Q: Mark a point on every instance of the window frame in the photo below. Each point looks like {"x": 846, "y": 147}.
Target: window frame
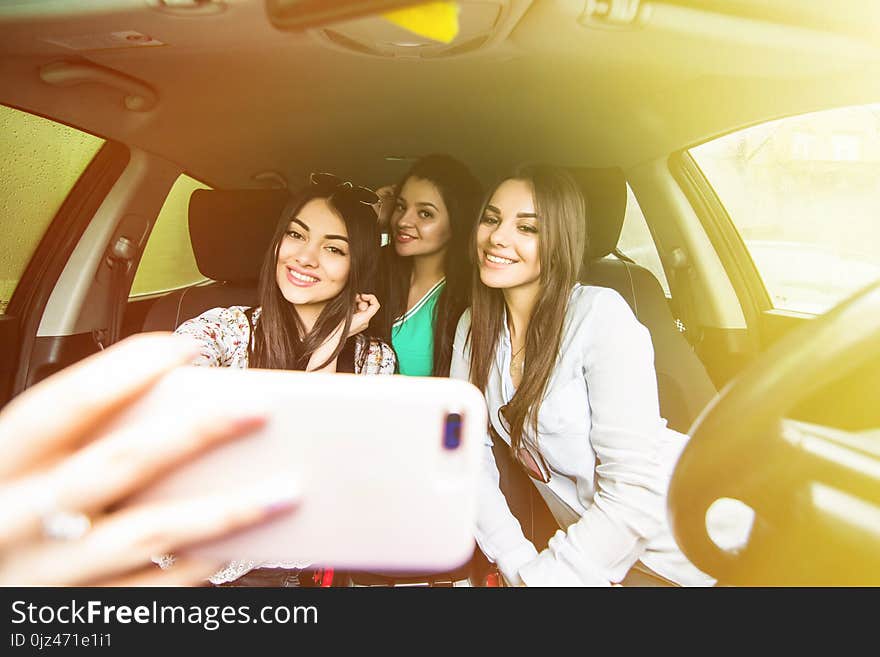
{"x": 743, "y": 274}
{"x": 70, "y": 221}
{"x": 776, "y": 319}
{"x": 751, "y": 291}
{"x": 53, "y": 237}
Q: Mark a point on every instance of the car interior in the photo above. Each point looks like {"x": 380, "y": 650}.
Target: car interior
{"x": 201, "y": 114}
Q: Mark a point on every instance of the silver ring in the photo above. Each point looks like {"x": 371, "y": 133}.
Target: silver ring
{"x": 60, "y": 525}
{"x": 164, "y": 561}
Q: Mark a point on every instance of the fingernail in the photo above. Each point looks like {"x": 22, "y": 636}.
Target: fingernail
{"x": 248, "y": 422}
{"x": 278, "y": 496}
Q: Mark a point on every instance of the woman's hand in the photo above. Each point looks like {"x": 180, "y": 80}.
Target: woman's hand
{"x": 66, "y": 466}
{"x": 365, "y": 308}
{"x": 385, "y": 207}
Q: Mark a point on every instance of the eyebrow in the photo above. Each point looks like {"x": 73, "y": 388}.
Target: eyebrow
{"x": 520, "y": 215}
{"x": 297, "y": 221}
{"x": 326, "y": 237}
{"x": 405, "y": 202}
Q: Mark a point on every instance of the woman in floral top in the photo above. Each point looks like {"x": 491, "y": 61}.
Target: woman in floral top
{"x": 313, "y": 307}
{"x": 313, "y": 280}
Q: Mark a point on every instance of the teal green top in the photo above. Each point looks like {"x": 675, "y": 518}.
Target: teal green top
{"x": 412, "y": 336}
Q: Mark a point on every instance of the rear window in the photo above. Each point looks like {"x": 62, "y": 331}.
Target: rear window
{"x": 168, "y": 262}
{"x": 636, "y": 241}
{"x": 42, "y": 160}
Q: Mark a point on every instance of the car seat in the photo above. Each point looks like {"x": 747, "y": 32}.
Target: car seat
{"x": 683, "y": 384}
{"x": 230, "y": 231}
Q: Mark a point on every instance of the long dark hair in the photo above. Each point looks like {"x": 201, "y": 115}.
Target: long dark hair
{"x": 280, "y": 339}
{"x": 562, "y": 213}
{"x": 462, "y": 194}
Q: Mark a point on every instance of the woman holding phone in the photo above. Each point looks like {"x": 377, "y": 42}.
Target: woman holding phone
{"x": 568, "y": 375}
{"x": 314, "y": 306}
{"x": 426, "y": 270}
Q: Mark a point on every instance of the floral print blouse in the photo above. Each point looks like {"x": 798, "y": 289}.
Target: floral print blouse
{"x": 224, "y": 334}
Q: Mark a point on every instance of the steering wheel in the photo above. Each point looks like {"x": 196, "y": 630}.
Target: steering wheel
{"x": 815, "y": 490}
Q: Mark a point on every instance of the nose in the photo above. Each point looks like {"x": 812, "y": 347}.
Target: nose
{"x": 499, "y": 235}
{"x": 307, "y": 256}
{"x": 406, "y": 219}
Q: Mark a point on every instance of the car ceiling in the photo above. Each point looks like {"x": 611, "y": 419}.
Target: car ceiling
{"x": 237, "y": 97}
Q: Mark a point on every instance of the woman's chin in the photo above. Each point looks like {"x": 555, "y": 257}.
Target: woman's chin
{"x": 495, "y": 279}
{"x": 304, "y": 297}
{"x": 404, "y": 249}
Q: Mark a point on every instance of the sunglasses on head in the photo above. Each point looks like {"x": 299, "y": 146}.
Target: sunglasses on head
{"x": 335, "y": 185}
{"x": 526, "y": 455}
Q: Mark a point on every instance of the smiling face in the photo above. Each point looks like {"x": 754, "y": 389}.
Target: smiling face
{"x": 313, "y": 258}
{"x": 508, "y": 251}
{"x": 420, "y": 224}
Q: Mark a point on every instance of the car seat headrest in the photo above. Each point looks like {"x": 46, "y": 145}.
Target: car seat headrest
{"x": 605, "y": 194}
{"x": 230, "y": 230}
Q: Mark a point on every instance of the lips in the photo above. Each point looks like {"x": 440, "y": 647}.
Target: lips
{"x": 300, "y": 278}
{"x": 404, "y": 238}
{"x": 494, "y": 261}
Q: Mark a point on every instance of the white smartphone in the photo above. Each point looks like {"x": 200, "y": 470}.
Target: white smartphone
{"x": 388, "y": 465}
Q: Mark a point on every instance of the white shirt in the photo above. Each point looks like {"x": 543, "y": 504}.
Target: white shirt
{"x": 610, "y": 453}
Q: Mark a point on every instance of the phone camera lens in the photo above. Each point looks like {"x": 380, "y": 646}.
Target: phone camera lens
{"x": 452, "y": 431}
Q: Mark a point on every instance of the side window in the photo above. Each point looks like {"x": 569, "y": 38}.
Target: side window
{"x": 802, "y": 192}
{"x": 637, "y": 243}
{"x": 168, "y": 262}
{"x": 42, "y": 160}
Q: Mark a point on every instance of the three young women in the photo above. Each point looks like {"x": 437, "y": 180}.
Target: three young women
{"x": 570, "y": 386}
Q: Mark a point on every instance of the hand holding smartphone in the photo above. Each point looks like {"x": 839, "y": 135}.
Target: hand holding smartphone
{"x": 388, "y": 466}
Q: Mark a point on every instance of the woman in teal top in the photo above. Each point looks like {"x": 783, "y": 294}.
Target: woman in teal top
{"x": 413, "y": 335}
{"x": 425, "y": 284}
{"x": 425, "y": 270}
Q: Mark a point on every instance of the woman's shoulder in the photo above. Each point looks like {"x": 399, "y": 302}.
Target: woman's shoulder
{"x": 223, "y": 334}
{"x": 220, "y": 317}
{"x": 380, "y": 357}
{"x": 600, "y": 318}
{"x": 225, "y": 314}
{"x": 588, "y": 301}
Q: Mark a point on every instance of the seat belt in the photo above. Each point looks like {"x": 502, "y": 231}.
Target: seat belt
{"x": 119, "y": 259}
